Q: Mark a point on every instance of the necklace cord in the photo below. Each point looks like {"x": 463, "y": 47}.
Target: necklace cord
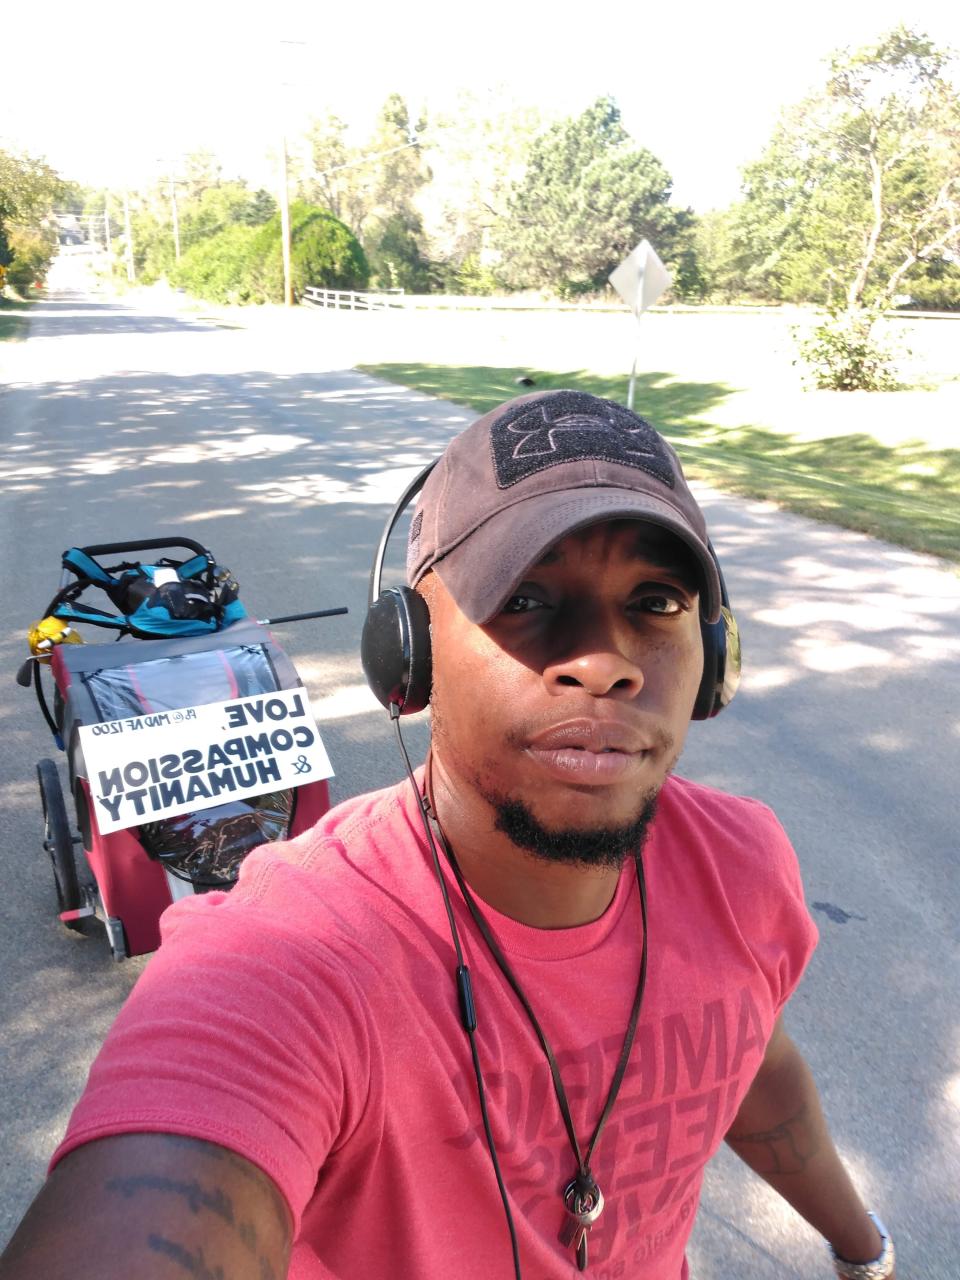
{"x": 465, "y": 996}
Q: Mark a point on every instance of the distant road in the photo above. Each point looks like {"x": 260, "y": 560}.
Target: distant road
{"x": 124, "y": 423}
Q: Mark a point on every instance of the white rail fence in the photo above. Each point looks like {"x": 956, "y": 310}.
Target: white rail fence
{"x": 348, "y": 300}
{"x": 396, "y": 299}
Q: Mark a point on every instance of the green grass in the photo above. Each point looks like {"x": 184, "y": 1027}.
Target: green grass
{"x": 908, "y": 494}
{"x": 13, "y": 327}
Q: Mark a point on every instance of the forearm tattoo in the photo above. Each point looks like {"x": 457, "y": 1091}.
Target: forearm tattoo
{"x": 787, "y": 1148}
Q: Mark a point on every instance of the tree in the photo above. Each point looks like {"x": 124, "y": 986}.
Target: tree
{"x": 724, "y": 273}
{"x": 202, "y": 218}
{"x": 324, "y": 253}
{"x": 857, "y": 194}
{"x": 398, "y": 169}
{"x": 201, "y": 170}
{"x": 392, "y": 230}
{"x": 476, "y": 155}
{"x": 260, "y": 209}
{"x": 858, "y": 191}
{"x": 396, "y": 261}
{"x": 29, "y": 191}
{"x": 588, "y": 196}
{"x": 373, "y": 189}
{"x": 31, "y": 252}
{"x": 335, "y": 176}
{"x": 219, "y": 207}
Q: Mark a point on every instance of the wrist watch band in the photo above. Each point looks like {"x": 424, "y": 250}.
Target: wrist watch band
{"x": 879, "y": 1269}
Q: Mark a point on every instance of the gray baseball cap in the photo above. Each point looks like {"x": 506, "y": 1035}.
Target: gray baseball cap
{"x": 531, "y": 471}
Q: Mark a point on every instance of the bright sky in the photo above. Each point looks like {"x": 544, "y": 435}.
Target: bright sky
{"x": 109, "y": 92}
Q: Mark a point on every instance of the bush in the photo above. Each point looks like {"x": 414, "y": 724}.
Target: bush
{"x": 32, "y": 252}
{"x": 244, "y": 263}
{"x": 323, "y": 253}
{"x": 934, "y": 286}
{"x": 202, "y": 219}
{"x": 221, "y": 268}
{"x": 473, "y": 278}
{"x": 844, "y": 354}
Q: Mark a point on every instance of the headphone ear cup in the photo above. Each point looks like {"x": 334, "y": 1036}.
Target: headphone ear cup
{"x": 714, "y": 653}
{"x": 721, "y": 665}
{"x": 395, "y": 650}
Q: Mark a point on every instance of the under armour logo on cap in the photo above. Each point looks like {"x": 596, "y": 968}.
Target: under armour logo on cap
{"x": 570, "y": 426}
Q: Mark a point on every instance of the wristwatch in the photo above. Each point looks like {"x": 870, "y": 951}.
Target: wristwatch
{"x": 879, "y": 1269}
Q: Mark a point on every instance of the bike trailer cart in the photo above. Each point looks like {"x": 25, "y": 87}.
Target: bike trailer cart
{"x": 204, "y": 654}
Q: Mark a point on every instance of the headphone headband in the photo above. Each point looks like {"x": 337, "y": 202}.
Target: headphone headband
{"x": 411, "y": 491}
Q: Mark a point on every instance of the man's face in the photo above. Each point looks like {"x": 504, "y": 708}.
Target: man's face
{"x": 573, "y": 703}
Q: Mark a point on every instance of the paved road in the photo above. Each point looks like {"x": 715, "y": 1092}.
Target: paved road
{"x": 119, "y": 423}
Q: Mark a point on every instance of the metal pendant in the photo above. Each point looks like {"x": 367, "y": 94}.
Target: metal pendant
{"x": 583, "y": 1202}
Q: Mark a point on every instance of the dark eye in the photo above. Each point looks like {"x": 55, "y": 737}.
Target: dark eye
{"x": 662, "y": 605}
{"x": 521, "y": 604}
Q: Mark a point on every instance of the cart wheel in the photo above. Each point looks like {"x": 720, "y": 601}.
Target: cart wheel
{"x": 58, "y": 841}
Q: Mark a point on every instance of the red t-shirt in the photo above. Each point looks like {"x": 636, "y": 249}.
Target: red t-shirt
{"x": 308, "y": 1021}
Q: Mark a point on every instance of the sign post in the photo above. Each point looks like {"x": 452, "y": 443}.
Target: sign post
{"x": 640, "y": 280}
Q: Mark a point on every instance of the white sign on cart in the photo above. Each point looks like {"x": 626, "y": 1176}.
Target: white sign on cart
{"x": 153, "y": 766}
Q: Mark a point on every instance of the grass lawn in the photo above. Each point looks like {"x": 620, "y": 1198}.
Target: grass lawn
{"x": 14, "y": 321}
{"x": 908, "y": 493}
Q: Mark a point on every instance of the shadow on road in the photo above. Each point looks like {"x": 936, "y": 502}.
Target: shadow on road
{"x": 78, "y": 315}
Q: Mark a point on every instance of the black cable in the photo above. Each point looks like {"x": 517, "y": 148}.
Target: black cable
{"x": 464, "y": 995}
{"x": 583, "y": 1162}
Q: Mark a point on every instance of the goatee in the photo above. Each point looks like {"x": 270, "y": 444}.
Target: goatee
{"x": 596, "y": 847}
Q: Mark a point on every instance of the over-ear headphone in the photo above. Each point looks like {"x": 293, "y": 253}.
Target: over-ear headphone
{"x": 395, "y": 645}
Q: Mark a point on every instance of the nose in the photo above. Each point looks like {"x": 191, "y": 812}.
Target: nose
{"x": 598, "y": 658}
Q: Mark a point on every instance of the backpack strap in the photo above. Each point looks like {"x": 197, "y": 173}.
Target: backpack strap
{"x": 86, "y": 567}
{"x": 68, "y": 612}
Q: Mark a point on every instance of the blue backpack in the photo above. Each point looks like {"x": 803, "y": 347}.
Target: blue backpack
{"x": 166, "y": 599}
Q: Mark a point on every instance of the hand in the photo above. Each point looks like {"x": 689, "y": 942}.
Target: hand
{"x": 863, "y": 1245}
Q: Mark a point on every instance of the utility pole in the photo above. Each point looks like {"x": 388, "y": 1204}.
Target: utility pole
{"x": 108, "y": 243}
{"x": 285, "y": 233}
{"x": 170, "y": 166}
{"x": 176, "y": 220}
{"x": 129, "y": 236}
{"x": 285, "y": 225}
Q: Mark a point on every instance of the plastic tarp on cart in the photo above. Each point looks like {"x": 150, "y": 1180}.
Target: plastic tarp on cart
{"x": 141, "y": 678}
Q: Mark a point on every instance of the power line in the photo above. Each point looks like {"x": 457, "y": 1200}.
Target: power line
{"x": 374, "y": 155}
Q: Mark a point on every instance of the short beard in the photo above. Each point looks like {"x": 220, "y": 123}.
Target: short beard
{"x": 599, "y": 847}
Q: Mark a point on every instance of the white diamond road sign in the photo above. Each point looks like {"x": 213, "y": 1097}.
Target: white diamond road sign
{"x": 641, "y": 278}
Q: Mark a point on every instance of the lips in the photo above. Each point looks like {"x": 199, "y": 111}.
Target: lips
{"x": 591, "y": 735}
{"x": 590, "y": 752}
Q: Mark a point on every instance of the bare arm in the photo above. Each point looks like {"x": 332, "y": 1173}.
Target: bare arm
{"x": 155, "y": 1206}
{"x": 781, "y": 1133}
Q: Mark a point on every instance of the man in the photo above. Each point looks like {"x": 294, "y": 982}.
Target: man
{"x": 290, "y": 1088}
